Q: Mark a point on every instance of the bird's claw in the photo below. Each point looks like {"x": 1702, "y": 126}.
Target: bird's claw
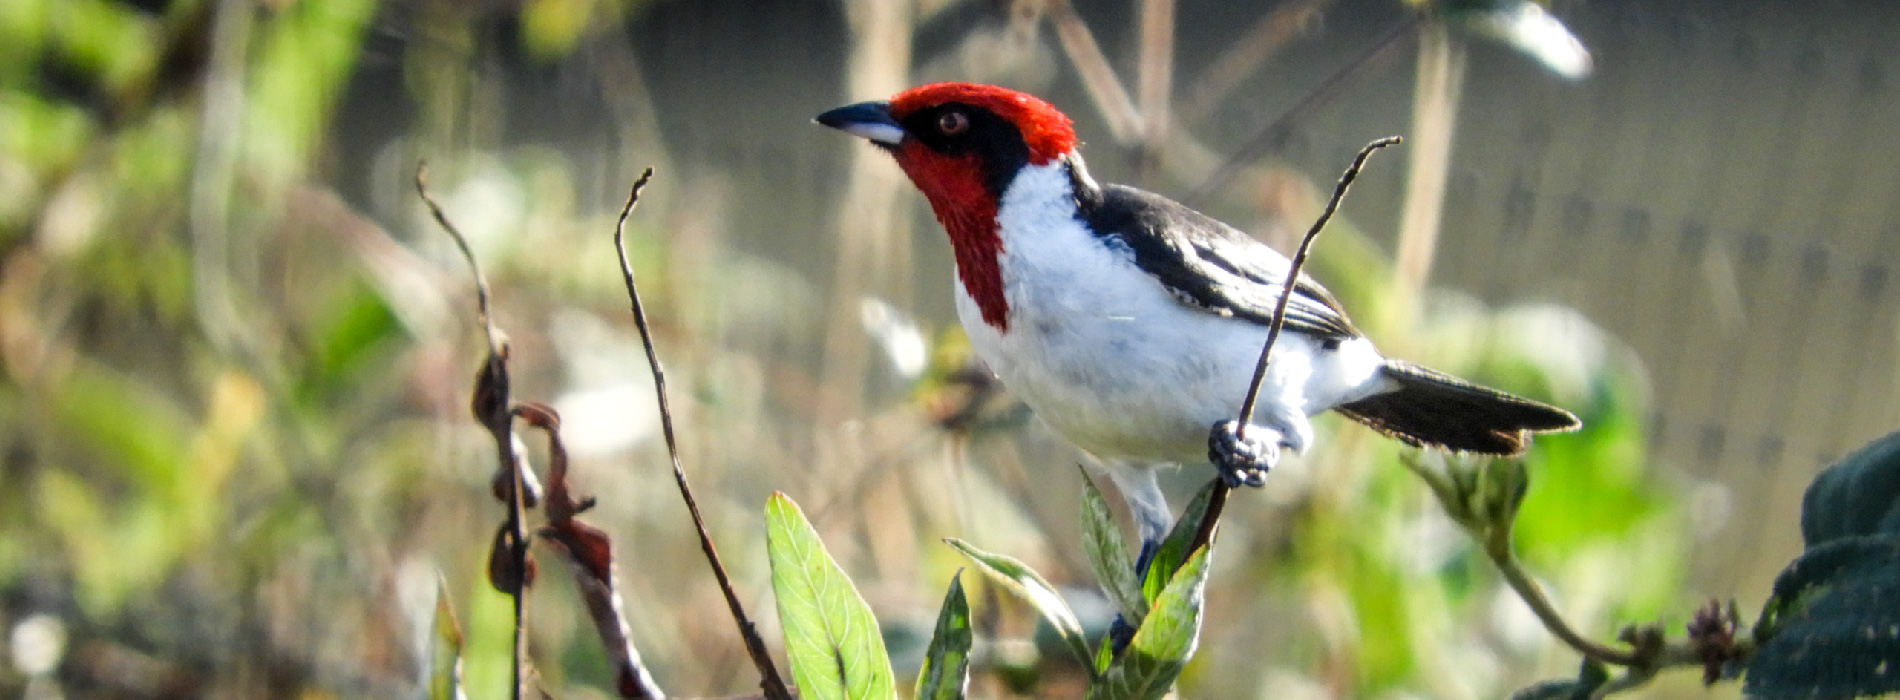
{"x": 1242, "y": 460}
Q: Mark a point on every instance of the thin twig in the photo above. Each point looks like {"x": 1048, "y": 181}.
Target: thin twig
{"x": 492, "y": 407}
{"x": 461, "y": 243}
{"x": 1293, "y": 275}
{"x": 770, "y": 682}
{"x": 1271, "y": 134}
{"x": 518, "y": 558}
{"x": 1217, "y": 501}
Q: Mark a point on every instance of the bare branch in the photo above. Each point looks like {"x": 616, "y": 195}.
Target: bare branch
{"x": 1218, "y": 500}
{"x": 1293, "y": 273}
{"x": 509, "y": 566}
{"x": 461, "y": 243}
{"x": 770, "y": 681}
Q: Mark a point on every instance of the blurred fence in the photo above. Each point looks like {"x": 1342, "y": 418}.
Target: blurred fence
{"x": 1717, "y": 194}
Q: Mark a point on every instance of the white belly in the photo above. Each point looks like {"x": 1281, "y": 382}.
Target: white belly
{"x": 1111, "y": 360}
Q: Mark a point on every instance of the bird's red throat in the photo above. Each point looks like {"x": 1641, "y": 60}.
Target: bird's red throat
{"x": 967, "y": 210}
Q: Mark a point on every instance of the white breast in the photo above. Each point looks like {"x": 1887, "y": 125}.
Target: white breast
{"x": 1110, "y": 359}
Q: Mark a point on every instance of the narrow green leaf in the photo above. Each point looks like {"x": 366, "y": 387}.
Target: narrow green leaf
{"x": 1104, "y": 654}
{"x": 1174, "y": 549}
{"x": 831, "y": 637}
{"x": 445, "y": 665}
{"x": 1033, "y": 589}
{"x": 946, "y": 671}
{"x": 1161, "y": 648}
{"x": 1108, "y": 555}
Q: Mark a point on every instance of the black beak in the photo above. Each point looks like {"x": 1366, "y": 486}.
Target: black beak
{"x": 868, "y": 120}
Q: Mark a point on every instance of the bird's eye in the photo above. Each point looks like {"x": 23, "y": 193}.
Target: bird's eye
{"x": 953, "y": 123}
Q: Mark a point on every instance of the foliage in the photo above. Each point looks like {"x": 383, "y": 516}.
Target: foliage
{"x": 1162, "y": 643}
{"x": 1165, "y": 640}
{"x": 831, "y": 637}
{"x": 1108, "y": 556}
{"x": 1032, "y": 588}
{"x": 946, "y": 671}
{"x": 1831, "y": 628}
{"x": 231, "y": 460}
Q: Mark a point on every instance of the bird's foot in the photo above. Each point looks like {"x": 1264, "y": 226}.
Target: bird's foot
{"x": 1120, "y": 634}
{"x": 1242, "y": 459}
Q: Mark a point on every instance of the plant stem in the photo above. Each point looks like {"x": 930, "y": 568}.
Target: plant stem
{"x": 1533, "y": 595}
{"x": 1293, "y": 275}
{"x": 770, "y": 681}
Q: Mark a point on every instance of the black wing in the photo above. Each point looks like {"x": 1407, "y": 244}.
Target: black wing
{"x": 1208, "y": 264}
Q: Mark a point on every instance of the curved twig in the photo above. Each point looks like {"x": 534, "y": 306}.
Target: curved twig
{"x": 1218, "y": 499}
{"x": 1293, "y": 273}
{"x": 510, "y": 568}
{"x": 770, "y": 681}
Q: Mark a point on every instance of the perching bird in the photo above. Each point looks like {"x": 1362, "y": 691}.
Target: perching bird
{"x": 1130, "y": 323}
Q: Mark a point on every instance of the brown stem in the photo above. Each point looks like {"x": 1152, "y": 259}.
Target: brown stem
{"x": 770, "y": 682}
{"x": 1293, "y": 275}
{"x": 492, "y": 408}
{"x": 1216, "y": 502}
{"x": 461, "y": 243}
{"x": 1154, "y": 76}
{"x": 518, "y": 556}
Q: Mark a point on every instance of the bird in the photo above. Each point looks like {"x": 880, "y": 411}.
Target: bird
{"x": 1131, "y": 324}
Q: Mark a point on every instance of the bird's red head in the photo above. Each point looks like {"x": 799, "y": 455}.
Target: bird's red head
{"x": 1046, "y": 133}
{"x": 962, "y": 144}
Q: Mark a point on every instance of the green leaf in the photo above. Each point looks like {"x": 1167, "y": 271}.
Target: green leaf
{"x": 1860, "y": 495}
{"x": 1161, "y": 648}
{"x": 946, "y": 671}
{"x": 1174, "y": 549}
{"x": 1026, "y": 584}
{"x": 445, "y": 665}
{"x": 831, "y": 637}
{"x": 1525, "y": 26}
{"x": 1831, "y": 628}
{"x": 1104, "y": 654}
{"x": 1108, "y": 555}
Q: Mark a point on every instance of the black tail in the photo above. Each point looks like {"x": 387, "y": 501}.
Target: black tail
{"x": 1432, "y": 409}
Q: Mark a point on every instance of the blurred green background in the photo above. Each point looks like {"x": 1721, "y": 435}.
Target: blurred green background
{"x": 235, "y": 354}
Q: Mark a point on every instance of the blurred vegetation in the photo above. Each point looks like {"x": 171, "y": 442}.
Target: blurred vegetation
{"x": 236, "y": 451}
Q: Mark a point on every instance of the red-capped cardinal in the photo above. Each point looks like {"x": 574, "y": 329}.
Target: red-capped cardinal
{"x": 1130, "y": 323}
